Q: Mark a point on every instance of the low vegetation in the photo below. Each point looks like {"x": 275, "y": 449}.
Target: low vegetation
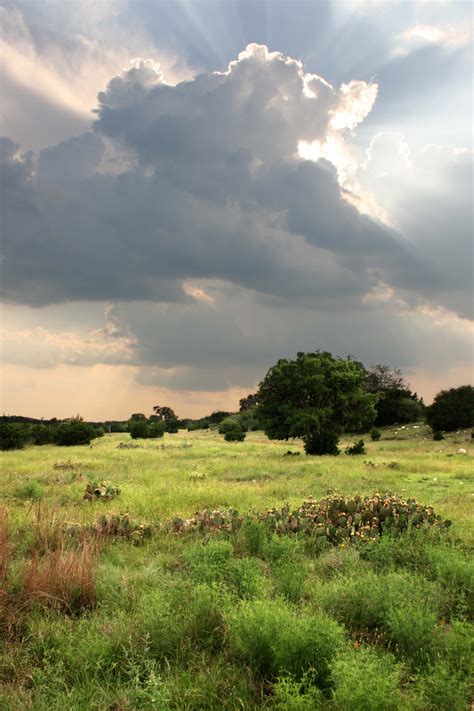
{"x": 132, "y": 600}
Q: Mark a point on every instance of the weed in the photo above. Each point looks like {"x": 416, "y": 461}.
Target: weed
{"x": 366, "y": 680}
{"x": 62, "y": 578}
{"x": 441, "y": 688}
{"x": 271, "y": 637}
{"x": 31, "y": 491}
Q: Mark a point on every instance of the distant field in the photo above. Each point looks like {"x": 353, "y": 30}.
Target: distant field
{"x": 184, "y": 472}
{"x": 237, "y": 622}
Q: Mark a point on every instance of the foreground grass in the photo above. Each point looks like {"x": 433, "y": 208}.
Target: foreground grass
{"x": 233, "y": 622}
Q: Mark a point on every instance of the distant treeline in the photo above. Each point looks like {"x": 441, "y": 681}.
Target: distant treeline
{"x": 392, "y": 402}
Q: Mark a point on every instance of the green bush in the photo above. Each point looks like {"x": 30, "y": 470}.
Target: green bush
{"x": 274, "y": 639}
{"x": 357, "y": 448}
{"x": 158, "y": 625}
{"x": 452, "y": 409}
{"x": 340, "y": 561}
{"x": 410, "y": 624}
{"x": 31, "y": 491}
{"x": 74, "y": 432}
{"x": 455, "y": 646}
{"x": 138, "y": 428}
{"x": 375, "y": 434}
{"x": 367, "y": 680}
{"x": 438, "y": 436}
{"x": 232, "y": 429}
{"x": 254, "y": 536}
{"x": 289, "y": 579}
{"x": 207, "y": 563}
{"x": 441, "y": 689}
{"x": 358, "y": 602}
{"x": 205, "y": 625}
{"x": 42, "y": 434}
{"x": 13, "y": 435}
{"x": 282, "y": 549}
{"x": 156, "y": 429}
{"x": 244, "y": 577}
{"x": 290, "y": 694}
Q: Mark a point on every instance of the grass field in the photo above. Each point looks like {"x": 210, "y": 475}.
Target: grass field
{"x": 240, "y": 621}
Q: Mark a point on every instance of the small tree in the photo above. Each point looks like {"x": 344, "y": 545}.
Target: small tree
{"x": 315, "y": 397}
{"x": 42, "y": 434}
{"x": 155, "y": 429}
{"x": 74, "y": 432}
{"x": 168, "y": 416}
{"x": 13, "y": 435}
{"x": 138, "y": 428}
{"x": 452, "y": 409}
{"x": 232, "y": 429}
{"x": 395, "y": 401}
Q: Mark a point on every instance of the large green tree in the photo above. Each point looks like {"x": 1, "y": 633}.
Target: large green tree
{"x": 315, "y": 397}
{"x": 166, "y": 415}
{"x": 395, "y": 401}
{"x": 452, "y": 409}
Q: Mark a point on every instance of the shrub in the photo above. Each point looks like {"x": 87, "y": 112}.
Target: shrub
{"x": 290, "y": 694}
{"x": 13, "y": 435}
{"x": 282, "y": 549}
{"x": 375, "y": 434}
{"x": 438, "y": 436}
{"x": 452, "y": 409}
{"x": 157, "y": 623}
{"x": 410, "y": 624}
{"x": 366, "y": 680}
{"x": 289, "y": 579}
{"x": 156, "y": 429}
{"x": 31, "y": 491}
{"x": 358, "y": 602}
{"x": 207, "y": 562}
{"x": 244, "y": 577}
{"x": 401, "y": 606}
{"x": 274, "y": 639}
{"x": 205, "y": 619}
{"x": 138, "y": 428}
{"x": 62, "y": 578}
{"x": 74, "y": 432}
{"x": 455, "y": 572}
{"x": 339, "y": 561}
{"x": 42, "y": 434}
{"x": 254, "y": 536}
{"x": 455, "y": 646}
{"x": 442, "y": 689}
{"x": 6, "y": 547}
{"x": 357, "y": 448}
{"x": 232, "y": 429}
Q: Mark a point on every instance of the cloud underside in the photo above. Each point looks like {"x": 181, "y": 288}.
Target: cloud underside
{"x": 191, "y": 208}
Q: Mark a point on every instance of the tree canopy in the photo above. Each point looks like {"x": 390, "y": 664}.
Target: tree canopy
{"x": 166, "y": 415}
{"x": 316, "y": 397}
{"x": 452, "y": 409}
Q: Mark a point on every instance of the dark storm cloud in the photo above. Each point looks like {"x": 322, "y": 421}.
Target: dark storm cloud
{"x": 215, "y": 190}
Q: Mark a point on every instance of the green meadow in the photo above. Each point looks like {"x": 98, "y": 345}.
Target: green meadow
{"x": 242, "y": 620}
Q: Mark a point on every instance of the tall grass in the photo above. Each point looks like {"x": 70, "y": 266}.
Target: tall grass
{"x": 63, "y": 578}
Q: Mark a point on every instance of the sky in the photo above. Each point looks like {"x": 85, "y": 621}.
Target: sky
{"x": 193, "y": 189}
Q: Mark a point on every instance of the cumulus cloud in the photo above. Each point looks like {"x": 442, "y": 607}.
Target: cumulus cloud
{"x": 215, "y": 188}
{"x": 195, "y": 207}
